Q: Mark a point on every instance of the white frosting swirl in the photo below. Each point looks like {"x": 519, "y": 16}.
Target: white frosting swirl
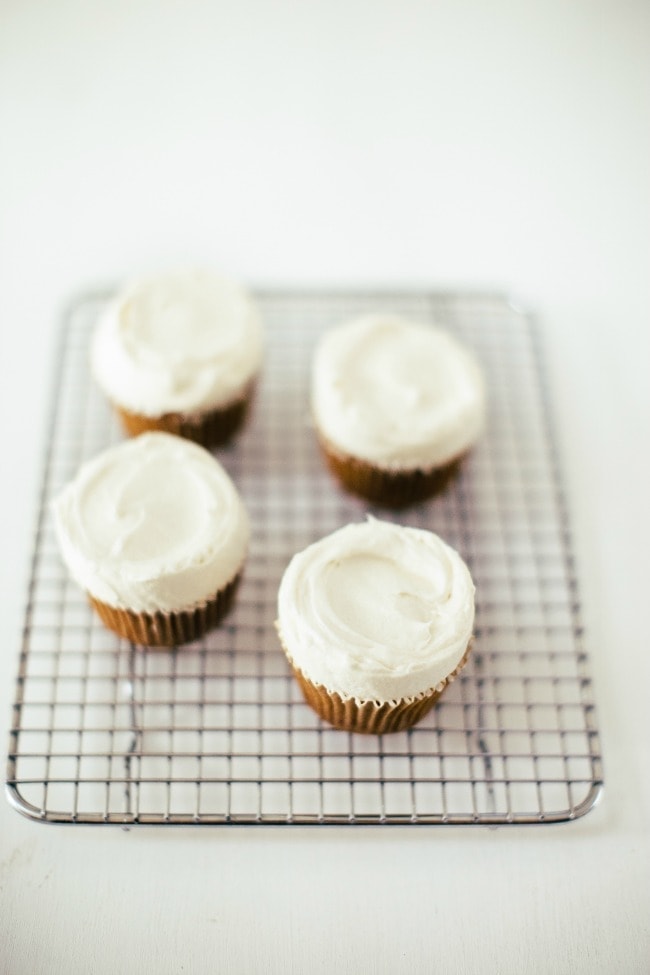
{"x": 154, "y": 523}
{"x": 186, "y": 342}
{"x": 396, "y": 393}
{"x": 376, "y": 611}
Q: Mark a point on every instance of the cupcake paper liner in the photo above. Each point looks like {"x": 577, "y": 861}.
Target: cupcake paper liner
{"x": 208, "y": 429}
{"x": 393, "y": 488}
{"x": 371, "y": 717}
{"x": 167, "y": 629}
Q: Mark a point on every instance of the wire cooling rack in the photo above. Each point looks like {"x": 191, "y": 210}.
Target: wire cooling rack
{"x": 217, "y": 732}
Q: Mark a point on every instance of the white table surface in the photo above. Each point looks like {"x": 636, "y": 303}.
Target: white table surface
{"x": 499, "y": 145}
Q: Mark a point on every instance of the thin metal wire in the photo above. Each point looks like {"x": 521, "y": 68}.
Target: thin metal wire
{"x": 217, "y": 732}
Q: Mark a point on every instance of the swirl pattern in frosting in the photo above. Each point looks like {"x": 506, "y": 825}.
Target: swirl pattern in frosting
{"x": 186, "y": 342}
{"x": 154, "y": 523}
{"x": 396, "y": 393}
{"x": 376, "y": 611}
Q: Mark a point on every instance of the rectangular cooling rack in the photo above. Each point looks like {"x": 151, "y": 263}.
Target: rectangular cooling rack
{"x": 216, "y": 732}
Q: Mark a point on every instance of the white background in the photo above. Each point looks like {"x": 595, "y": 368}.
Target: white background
{"x": 477, "y": 143}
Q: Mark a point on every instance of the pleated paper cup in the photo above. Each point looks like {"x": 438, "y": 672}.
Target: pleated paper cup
{"x": 210, "y": 429}
{"x": 392, "y": 488}
{"x": 167, "y": 629}
{"x": 372, "y": 717}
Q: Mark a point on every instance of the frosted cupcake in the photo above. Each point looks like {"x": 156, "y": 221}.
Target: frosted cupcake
{"x": 156, "y": 534}
{"x": 376, "y": 621}
{"x": 396, "y": 406}
{"x": 180, "y": 352}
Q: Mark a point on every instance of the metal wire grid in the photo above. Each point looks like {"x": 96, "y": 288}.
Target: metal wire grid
{"x": 217, "y": 732}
